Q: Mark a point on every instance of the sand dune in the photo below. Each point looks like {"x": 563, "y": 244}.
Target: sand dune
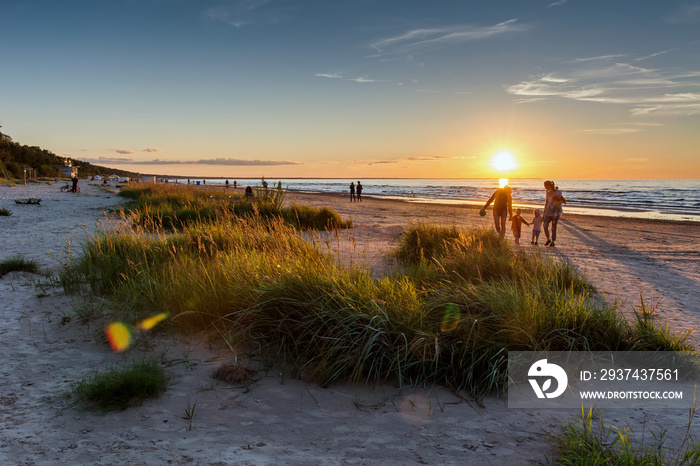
{"x": 277, "y": 420}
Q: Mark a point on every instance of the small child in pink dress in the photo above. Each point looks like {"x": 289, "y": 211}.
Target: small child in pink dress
{"x": 536, "y": 227}
{"x": 516, "y": 224}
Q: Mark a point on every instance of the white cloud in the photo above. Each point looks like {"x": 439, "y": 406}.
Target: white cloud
{"x": 684, "y": 14}
{"x": 249, "y": 12}
{"x": 610, "y": 131}
{"x": 151, "y": 149}
{"x": 329, "y": 75}
{"x": 558, "y": 3}
{"x": 363, "y": 79}
{"x": 421, "y": 38}
{"x": 606, "y": 79}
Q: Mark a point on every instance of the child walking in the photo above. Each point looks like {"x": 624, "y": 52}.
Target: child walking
{"x": 536, "y": 227}
{"x": 516, "y": 223}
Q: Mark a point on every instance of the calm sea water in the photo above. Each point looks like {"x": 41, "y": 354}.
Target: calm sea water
{"x": 653, "y": 199}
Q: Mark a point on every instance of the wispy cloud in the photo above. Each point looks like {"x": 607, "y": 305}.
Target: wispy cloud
{"x": 151, "y": 149}
{"x": 419, "y": 158}
{"x": 124, "y": 151}
{"x": 363, "y": 79}
{"x": 103, "y": 160}
{"x": 217, "y": 161}
{"x": 611, "y": 131}
{"x": 684, "y": 14}
{"x": 559, "y": 3}
{"x": 432, "y": 37}
{"x": 609, "y": 79}
{"x": 250, "y": 12}
{"x": 359, "y": 79}
{"x": 329, "y": 75}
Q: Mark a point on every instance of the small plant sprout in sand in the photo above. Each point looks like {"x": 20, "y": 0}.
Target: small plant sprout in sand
{"x": 190, "y": 413}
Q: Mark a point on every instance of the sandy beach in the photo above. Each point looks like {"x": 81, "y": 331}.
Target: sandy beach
{"x": 278, "y": 420}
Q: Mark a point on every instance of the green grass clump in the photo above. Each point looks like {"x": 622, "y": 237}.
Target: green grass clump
{"x": 309, "y": 217}
{"x": 477, "y": 256}
{"x": 118, "y": 388}
{"x": 17, "y": 263}
{"x": 5, "y": 213}
{"x": 588, "y": 442}
{"x": 174, "y": 206}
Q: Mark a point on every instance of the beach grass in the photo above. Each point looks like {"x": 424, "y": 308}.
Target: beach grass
{"x": 588, "y": 441}
{"x": 175, "y": 206}
{"x": 17, "y": 263}
{"x": 118, "y": 388}
{"x": 461, "y": 301}
{"x": 5, "y": 212}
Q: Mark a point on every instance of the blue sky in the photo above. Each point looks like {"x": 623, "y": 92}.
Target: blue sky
{"x": 571, "y": 88}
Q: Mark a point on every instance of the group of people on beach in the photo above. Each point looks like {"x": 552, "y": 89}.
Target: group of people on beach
{"x": 355, "y": 192}
{"x": 502, "y": 209}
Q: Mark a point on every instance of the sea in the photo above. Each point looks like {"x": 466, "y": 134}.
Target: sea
{"x": 648, "y": 199}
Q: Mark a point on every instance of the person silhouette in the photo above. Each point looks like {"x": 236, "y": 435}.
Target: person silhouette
{"x": 359, "y": 191}
{"x": 352, "y": 191}
{"x": 502, "y": 208}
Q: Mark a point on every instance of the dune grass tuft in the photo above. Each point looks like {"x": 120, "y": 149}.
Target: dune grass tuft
{"x": 118, "y": 388}
{"x": 17, "y": 263}
{"x": 588, "y": 441}
{"x": 174, "y": 206}
{"x": 5, "y": 212}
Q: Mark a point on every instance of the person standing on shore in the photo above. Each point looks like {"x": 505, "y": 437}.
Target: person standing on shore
{"x": 552, "y": 210}
{"x": 352, "y": 191}
{"x": 516, "y": 224}
{"x": 359, "y": 192}
{"x": 502, "y": 208}
{"x": 226, "y": 185}
{"x": 536, "y": 227}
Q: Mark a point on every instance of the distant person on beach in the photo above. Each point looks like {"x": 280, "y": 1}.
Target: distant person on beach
{"x": 235, "y": 184}
{"x": 226, "y": 185}
{"x": 516, "y": 223}
{"x": 502, "y": 208}
{"x": 536, "y": 226}
{"x": 552, "y": 210}
{"x": 359, "y": 191}
{"x": 352, "y": 191}
{"x": 249, "y": 193}
{"x": 75, "y": 184}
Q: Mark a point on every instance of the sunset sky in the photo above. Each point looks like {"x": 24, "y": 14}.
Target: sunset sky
{"x": 358, "y": 88}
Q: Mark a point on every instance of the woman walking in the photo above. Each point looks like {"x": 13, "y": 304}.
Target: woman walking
{"x": 552, "y": 210}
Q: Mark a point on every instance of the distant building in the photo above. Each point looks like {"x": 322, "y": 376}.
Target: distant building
{"x": 68, "y": 170}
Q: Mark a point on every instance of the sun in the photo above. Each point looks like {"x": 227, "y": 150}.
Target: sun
{"x": 503, "y": 161}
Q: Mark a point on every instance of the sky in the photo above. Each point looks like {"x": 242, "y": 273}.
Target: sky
{"x": 358, "y": 88}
